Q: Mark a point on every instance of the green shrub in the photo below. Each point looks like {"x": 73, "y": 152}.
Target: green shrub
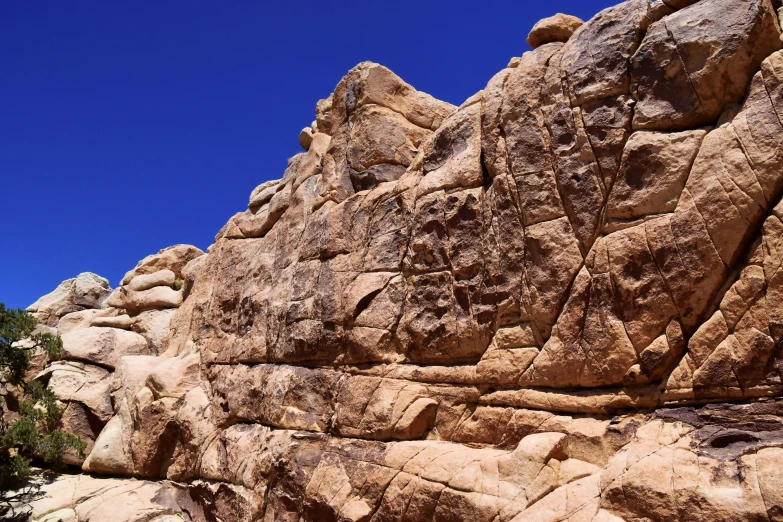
{"x": 34, "y": 433}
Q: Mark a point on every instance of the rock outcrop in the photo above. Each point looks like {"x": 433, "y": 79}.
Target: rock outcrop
{"x": 87, "y": 291}
{"x": 559, "y": 301}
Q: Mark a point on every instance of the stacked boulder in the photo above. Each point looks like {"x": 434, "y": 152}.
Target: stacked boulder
{"x": 100, "y": 327}
{"x": 84, "y": 293}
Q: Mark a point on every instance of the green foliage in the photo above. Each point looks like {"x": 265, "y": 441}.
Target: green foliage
{"x": 16, "y": 326}
{"x": 34, "y": 433}
{"x": 177, "y": 285}
{"x": 14, "y": 471}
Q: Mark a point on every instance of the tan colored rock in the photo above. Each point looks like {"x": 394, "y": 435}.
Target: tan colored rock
{"x": 263, "y": 193}
{"x": 88, "y": 290}
{"x": 768, "y": 468}
{"x": 154, "y": 298}
{"x": 557, "y": 28}
{"x": 76, "y": 419}
{"x": 306, "y": 138}
{"x": 123, "y": 321}
{"x": 560, "y": 301}
{"x": 139, "y": 440}
{"x": 376, "y": 84}
{"x": 77, "y": 320}
{"x": 515, "y": 337}
{"x": 276, "y": 394}
{"x": 89, "y": 385}
{"x": 147, "y": 281}
{"x": 153, "y": 325}
{"x": 173, "y": 258}
{"x": 596, "y": 59}
{"x": 416, "y": 420}
{"x": 608, "y": 126}
{"x": 382, "y": 145}
{"x": 457, "y": 165}
{"x": 705, "y": 55}
{"x": 552, "y": 262}
{"x": 377, "y": 124}
{"x": 505, "y": 365}
{"x": 169, "y": 377}
{"x": 102, "y": 345}
{"x": 61, "y": 495}
{"x": 580, "y": 181}
{"x": 652, "y": 174}
{"x": 324, "y": 115}
{"x": 109, "y": 453}
{"x": 99, "y": 500}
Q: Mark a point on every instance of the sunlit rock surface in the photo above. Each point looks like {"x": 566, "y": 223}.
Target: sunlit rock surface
{"x": 560, "y": 301}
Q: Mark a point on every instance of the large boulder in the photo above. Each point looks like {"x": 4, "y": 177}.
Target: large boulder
{"x": 102, "y": 345}
{"x": 380, "y": 125}
{"x": 160, "y": 411}
{"x": 86, "y": 291}
{"x": 173, "y": 258}
{"x": 557, "y": 28}
{"x": 695, "y": 62}
{"x": 72, "y": 381}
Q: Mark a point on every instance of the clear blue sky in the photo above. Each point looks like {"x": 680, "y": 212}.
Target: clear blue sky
{"x": 126, "y": 127}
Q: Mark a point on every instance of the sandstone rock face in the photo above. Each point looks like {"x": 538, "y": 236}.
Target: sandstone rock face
{"x": 559, "y": 301}
{"x": 696, "y": 61}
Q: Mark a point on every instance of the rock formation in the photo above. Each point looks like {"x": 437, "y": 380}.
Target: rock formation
{"x": 560, "y": 301}
{"x": 80, "y": 294}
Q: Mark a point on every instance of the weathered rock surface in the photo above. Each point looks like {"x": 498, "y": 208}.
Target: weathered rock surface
{"x": 101, "y": 345}
{"x": 173, "y": 258}
{"x": 558, "y": 28}
{"x": 695, "y": 62}
{"x": 560, "y": 301}
{"x": 86, "y": 291}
